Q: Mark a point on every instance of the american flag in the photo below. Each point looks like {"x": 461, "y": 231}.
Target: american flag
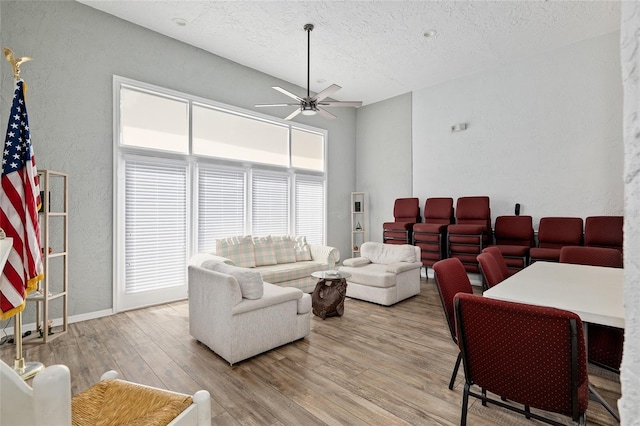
{"x": 19, "y": 204}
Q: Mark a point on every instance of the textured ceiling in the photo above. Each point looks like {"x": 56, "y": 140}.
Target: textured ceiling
{"x": 373, "y": 49}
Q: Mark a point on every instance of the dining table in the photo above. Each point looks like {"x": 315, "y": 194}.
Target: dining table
{"x": 595, "y": 293}
{"x": 592, "y": 292}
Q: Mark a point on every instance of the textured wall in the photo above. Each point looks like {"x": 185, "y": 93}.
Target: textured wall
{"x": 629, "y": 404}
{"x": 545, "y": 132}
{"x": 383, "y": 160}
{"x": 76, "y": 51}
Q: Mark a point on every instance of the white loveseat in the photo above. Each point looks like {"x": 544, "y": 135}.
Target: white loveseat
{"x": 384, "y": 274}
{"x": 237, "y": 315}
{"x": 284, "y": 260}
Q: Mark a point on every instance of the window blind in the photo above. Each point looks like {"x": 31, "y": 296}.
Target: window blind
{"x": 270, "y": 204}
{"x": 155, "y": 225}
{"x": 221, "y": 206}
{"x": 309, "y": 208}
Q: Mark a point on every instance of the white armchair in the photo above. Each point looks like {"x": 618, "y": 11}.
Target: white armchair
{"x": 238, "y": 316}
{"x": 384, "y": 274}
{"x": 49, "y": 401}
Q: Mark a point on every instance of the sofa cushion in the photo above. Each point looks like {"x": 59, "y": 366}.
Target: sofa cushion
{"x": 265, "y": 253}
{"x": 273, "y": 295}
{"x": 250, "y": 281}
{"x": 356, "y": 261}
{"x": 373, "y": 275}
{"x": 303, "y": 252}
{"x": 239, "y": 249}
{"x": 289, "y": 271}
{"x": 388, "y": 253}
{"x": 285, "y": 249}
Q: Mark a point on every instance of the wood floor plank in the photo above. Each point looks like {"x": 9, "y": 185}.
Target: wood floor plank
{"x": 375, "y": 365}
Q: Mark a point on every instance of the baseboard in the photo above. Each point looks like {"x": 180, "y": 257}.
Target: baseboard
{"x": 58, "y": 321}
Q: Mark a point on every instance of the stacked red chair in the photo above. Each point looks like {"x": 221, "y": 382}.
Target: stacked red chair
{"x": 431, "y": 236}
{"x": 406, "y": 213}
{"x": 553, "y": 234}
{"x": 604, "y": 231}
{"x": 472, "y": 231}
{"x": 514, "y": 238}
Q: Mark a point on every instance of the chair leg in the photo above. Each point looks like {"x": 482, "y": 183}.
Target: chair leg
{"x": 455, "y": 371}
{"x": 594, "y": 395}
{"x": 484, "y": 397}
{"x": 527, "y": 410}
{"x": 465, "y": 403}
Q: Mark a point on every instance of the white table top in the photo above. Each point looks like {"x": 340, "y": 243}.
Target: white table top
{"x": 594, "y": 293}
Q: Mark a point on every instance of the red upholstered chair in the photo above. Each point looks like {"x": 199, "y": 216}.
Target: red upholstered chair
{"x": 451, "y": 278}
{"x": 596, "y": 256}
{"x": 490, "y": 270}
{"x": 553, "y": 234}
{"x": 471, "y": 232}
{"x": 538, "y": 357}
{"x": 605, "y": 343}
{"x": 431, "y": 235}
{"x": 604, "y": 231}
{"x": 406, "y": 213}
{"x": 497, "y": 255}
{"x": 514, "y": 238}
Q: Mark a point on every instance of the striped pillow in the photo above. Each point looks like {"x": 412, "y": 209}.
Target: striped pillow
{"x": 239, "y": 249}
{"x": 265, "y": 252}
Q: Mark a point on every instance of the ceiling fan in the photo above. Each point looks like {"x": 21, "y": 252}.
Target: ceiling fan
{"x": 310, "y": 105}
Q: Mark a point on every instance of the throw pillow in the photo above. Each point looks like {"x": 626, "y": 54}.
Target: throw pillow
{"x": 239, "y": 249}
{"x": 250, "y": 281}
{"x": 285, "y": 250}
{"x": 265, "y": 252}
{"x": 303, "y": 252}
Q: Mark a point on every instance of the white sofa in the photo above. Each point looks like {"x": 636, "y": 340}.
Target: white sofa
{"x": 238, "y": 316}
{"x": 284, "y": 260}
{"x": 384, "y": 274}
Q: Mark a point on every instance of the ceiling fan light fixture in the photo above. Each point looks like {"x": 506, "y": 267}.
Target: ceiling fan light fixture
{"x": 308, "y": 111}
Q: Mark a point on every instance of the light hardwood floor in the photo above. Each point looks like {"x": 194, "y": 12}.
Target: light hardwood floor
{"x": 375, "y": 365}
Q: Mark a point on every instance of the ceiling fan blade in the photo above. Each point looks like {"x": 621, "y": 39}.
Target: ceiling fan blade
{"x": 341, "y": 103}
{"x": 326, "y": 92}
{"x": 288, "y": 93}
{"x": 293, "y": 114}
{"x": 326, "y": 114}
{"x": 275, "y": 105}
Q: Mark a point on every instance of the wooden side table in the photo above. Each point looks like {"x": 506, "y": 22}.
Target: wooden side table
{"x": 327, "y": 299}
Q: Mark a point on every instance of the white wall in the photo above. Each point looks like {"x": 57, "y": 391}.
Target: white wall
{"x": 76, "y": 50}
{"x": 545, "y": 132}
{"x": 383, "y": 158}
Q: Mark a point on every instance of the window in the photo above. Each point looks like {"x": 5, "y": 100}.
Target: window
{"x": 150, "y": 120}
{"x": 190, "y": 171}
{"x": 270, "y": 203}
{"x": 310, "y": 211}
{"x": 221, "y": 205}
{"x": 220, "y": 134}
{"x": 307, "y": 150}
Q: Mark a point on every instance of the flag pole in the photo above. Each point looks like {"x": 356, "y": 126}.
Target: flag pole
{"x": 25, "y": 370}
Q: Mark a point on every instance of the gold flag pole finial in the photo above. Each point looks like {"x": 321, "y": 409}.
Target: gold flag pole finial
{"x": 15, "y": 63}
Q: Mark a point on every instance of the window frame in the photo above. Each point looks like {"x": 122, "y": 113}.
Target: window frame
{"x": 122, "y": 152}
